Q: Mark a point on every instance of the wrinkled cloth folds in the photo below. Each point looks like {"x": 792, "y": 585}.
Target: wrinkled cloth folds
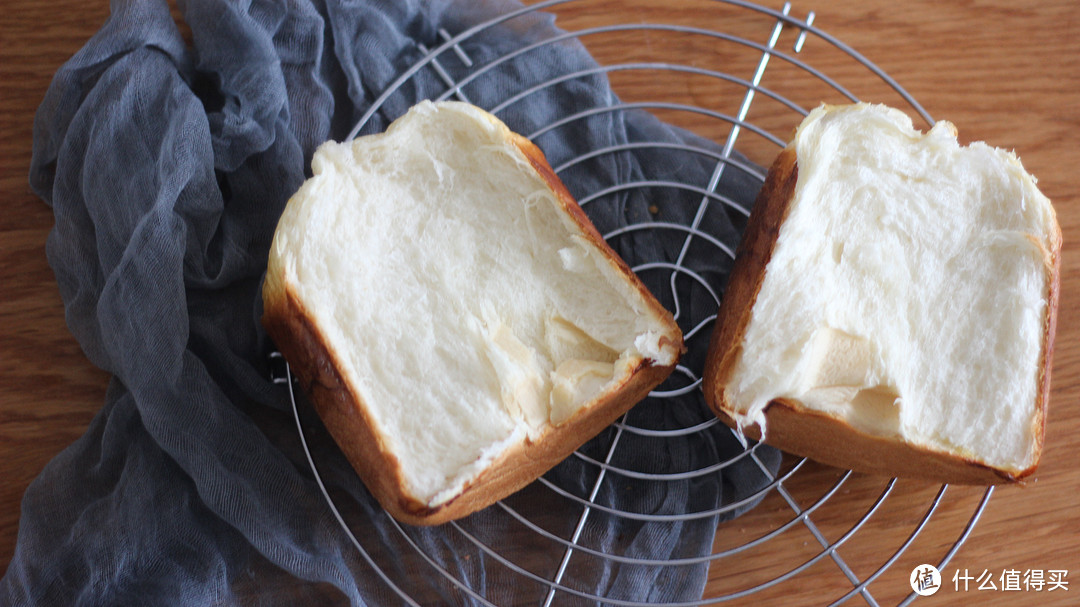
{"x": 167, "y": 162}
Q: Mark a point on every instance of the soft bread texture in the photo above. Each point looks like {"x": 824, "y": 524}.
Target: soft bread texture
{"x": 892, "y": 305}
{"x": 458, "y": 323}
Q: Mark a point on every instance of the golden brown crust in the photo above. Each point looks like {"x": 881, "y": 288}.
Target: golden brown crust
{"x": 348, "y": 421}
{"x": 834, "y": 442}
{"x": 1043, "y": 399}
{"x": 815, "y": 435}
{"x": 747, "y": 273}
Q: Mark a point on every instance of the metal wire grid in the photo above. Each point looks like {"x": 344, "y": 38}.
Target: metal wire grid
{"x": 450, "y": 49}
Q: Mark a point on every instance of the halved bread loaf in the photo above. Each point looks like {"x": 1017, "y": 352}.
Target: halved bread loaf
{"x": 892, "y": 305}
{"x": 457, "y": 321}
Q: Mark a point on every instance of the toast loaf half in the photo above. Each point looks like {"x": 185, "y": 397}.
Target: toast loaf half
{"x": 892, "y": 305}
{"x": 456, "y": 320}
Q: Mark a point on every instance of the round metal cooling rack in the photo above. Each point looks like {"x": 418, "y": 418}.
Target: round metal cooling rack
{"x": 804, "y": 515}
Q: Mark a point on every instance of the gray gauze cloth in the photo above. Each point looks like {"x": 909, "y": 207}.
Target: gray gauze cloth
{"x": 167, "y": 164}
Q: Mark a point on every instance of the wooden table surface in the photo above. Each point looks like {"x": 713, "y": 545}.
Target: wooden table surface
{"x": 1004, "y": 71}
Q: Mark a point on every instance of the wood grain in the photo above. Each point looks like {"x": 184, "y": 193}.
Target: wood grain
{"x": 48, "y": 390}
{"x": 1006, "y": 72}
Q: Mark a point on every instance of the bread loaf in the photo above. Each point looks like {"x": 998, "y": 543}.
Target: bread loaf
{"x": 892, "y": 305}
{"x": 458, "y": 323}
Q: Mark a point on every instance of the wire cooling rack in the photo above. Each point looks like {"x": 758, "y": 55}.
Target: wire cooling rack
{"x": 841, "y": 530}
